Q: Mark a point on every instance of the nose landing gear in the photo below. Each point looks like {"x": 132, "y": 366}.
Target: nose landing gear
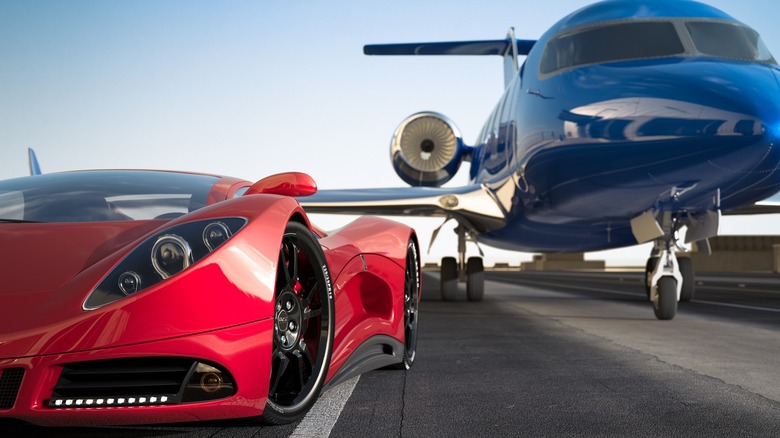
{"x": 670, "y": 279}
{"x": 664, "y": 283}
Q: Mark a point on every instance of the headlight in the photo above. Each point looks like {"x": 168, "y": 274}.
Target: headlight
{"x": 215, "y": 234}
{"x": 162, "y": 256}
{"x": 171, "y": 254}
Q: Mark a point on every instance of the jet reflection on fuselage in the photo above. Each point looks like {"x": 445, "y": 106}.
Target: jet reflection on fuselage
{"x": 649, "y": 118}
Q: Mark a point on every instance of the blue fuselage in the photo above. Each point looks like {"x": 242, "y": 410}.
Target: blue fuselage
{"x": 590, "y": 147}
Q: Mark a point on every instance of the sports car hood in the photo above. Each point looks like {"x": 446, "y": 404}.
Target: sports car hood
{"x": 38, "y": 258}
{"x": 48, "y": 270}
{"x": 40, "y": 266}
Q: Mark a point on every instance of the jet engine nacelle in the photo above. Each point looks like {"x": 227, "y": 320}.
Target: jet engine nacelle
{"x": 426, "y": 150}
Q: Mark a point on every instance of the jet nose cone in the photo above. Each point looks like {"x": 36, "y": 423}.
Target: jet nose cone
{"x": 732, "y": 99}
{"x": 748, "y": 167}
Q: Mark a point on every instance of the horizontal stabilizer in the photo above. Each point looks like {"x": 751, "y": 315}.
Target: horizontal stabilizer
{"x": 494, "y": 47}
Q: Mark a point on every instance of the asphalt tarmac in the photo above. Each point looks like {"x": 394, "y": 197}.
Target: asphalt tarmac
{"x": 554, "y": 355}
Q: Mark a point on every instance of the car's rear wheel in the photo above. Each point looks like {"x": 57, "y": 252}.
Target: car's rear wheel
{"x": 411, "y": 305}
{"x": 303, "y": 327}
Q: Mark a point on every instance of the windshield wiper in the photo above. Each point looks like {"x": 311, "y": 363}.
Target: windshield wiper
{"x": 18, "y": 221}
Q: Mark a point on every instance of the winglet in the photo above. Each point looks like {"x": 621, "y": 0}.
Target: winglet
{"x": 35, "y": 168}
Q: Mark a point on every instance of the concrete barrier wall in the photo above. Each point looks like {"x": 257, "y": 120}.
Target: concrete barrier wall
{"x": 729, "y": 254}
{"x": 776, "y": 268}
{"x": 561, "y": 262}
{"x": 739, "y": 254}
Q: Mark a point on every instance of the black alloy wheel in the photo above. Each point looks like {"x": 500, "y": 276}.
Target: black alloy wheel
{"x": 303, "y": 327}
{"x": 411, "y": 306}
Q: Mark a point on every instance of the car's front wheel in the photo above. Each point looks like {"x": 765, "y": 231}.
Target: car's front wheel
{"x": 303, "y": 327}
{"x": 411, "y": 306}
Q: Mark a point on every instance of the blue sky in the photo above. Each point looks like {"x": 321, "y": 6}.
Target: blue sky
{"x": 251, "y": 88}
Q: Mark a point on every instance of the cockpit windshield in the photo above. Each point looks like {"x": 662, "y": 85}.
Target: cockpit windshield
{"x": 728, "y": 40}
{"x": 95, "y": 196}
{"x": 611, "y": 43}
{"x": 648, "y": 39}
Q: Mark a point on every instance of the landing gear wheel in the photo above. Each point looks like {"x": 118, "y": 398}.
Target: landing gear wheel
{"x": 689, "y": 279}
{"x": 303, "y": 327}
{"x": 665, "y": 305}
{"x": 475, "y": 286}
{"x": 449, "y": 279}
{"x": 652, "y": 262}
{"x": 411, "y": 306}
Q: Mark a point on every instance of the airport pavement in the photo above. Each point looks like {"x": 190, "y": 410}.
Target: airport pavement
{"x": 555, "y": 356}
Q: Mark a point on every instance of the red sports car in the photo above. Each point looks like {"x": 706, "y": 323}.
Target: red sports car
{"x": 150, "y": 296}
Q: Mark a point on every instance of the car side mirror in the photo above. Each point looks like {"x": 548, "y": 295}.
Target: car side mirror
{"x": 295, "y": 184}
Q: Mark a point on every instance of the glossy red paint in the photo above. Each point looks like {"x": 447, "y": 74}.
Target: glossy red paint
{"x": 285, "y": 184}
{"x": 243, "y": 349}
{"x": 224, "y": 189}
{"x": 367, "y": 298}
{"x": 219, "y": 310}
{"x": 243, "y": 273}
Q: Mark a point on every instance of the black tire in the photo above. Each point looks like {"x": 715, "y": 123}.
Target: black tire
{"x": 475, "y": 285}
{"x": 304, "y": 326}
{"x": 688, "y": 279}
{"x": 411, "y": 306}
{"x": 665, "y": 306}
{"x": 652, "y": 262}
{"x": 449, "y": 279}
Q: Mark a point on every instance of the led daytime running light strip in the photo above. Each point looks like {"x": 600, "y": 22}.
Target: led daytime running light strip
{"x": 97, "y": 402}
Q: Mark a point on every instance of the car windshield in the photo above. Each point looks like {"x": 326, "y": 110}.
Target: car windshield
{"x": 635, "y": 40}
{"x": 95, "y": 196}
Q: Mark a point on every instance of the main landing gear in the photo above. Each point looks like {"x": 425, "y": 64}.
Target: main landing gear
{"x": 470, "y": 271}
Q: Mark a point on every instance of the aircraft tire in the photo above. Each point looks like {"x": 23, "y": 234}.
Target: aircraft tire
{"x": 665, "y": 306}
{"x": 475, "y": 285}
{"x": 649, "y": 268}
{"x": 449, "y": 279}
{"x": 689, "y": 279}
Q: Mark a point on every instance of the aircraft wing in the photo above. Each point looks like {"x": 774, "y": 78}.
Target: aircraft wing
{"x": 767, "y": 206}
{"x": 477, "y": 206}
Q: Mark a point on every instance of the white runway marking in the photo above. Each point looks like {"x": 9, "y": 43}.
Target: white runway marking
{"x": 323, "y": 415}
{"x": 630, "y": 294}
{"x": 738, "y": 306}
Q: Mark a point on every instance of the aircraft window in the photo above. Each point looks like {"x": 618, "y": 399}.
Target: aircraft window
{"x": 728, "y": 41}
{"x": 611, "y": 43}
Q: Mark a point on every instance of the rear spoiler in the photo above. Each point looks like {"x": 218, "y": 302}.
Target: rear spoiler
{"x": 510, "y": 48}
